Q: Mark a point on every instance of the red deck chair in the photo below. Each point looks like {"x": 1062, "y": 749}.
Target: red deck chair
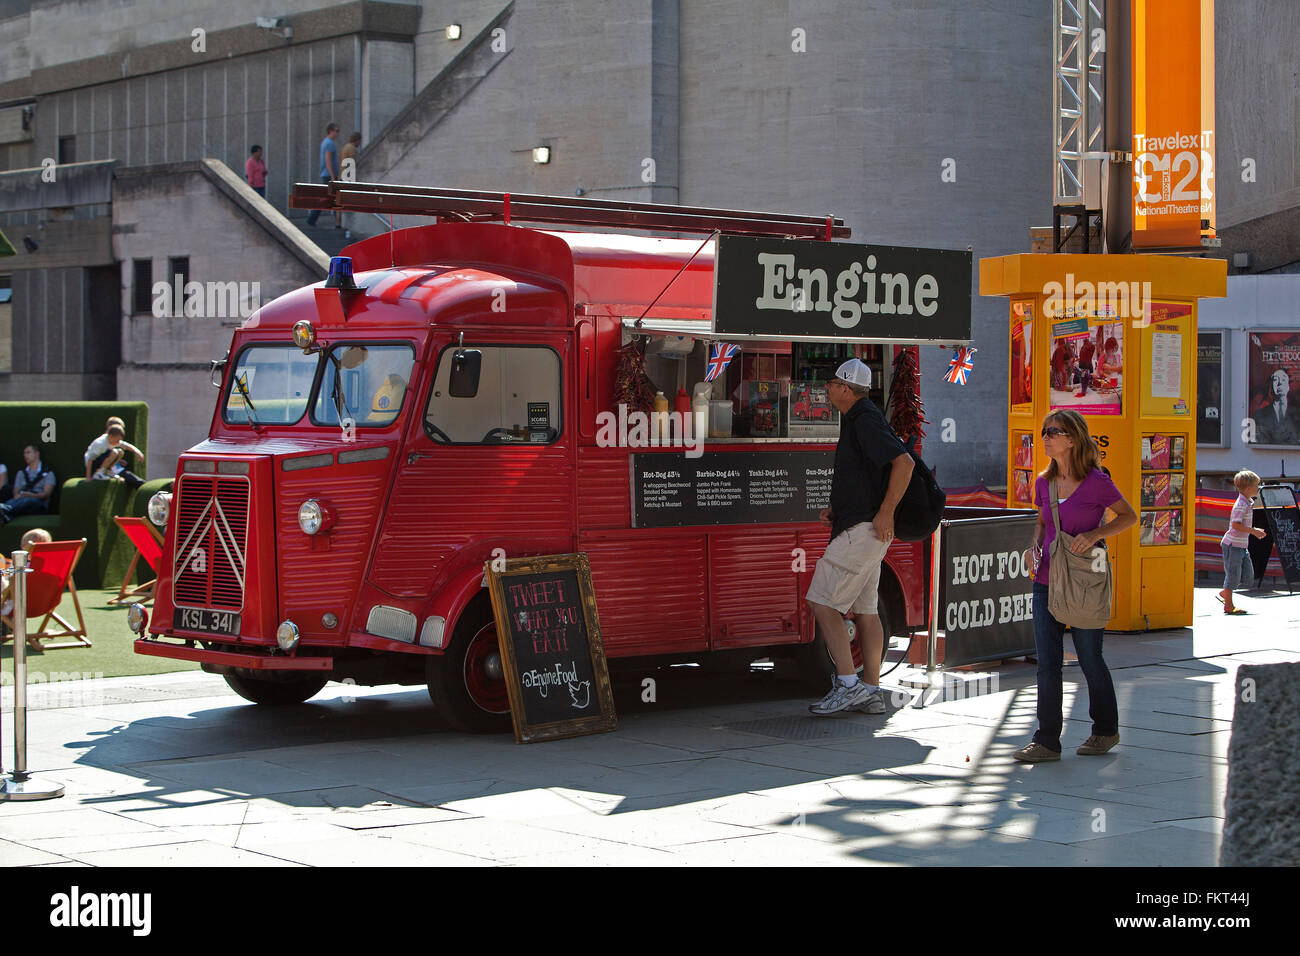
{"x": 52, "y": 564}
{"x": 148, "y": 545}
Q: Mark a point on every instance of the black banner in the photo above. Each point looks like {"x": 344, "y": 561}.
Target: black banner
{"x": 986, "y": 606}
{"x": 783, "y": 288}
{"x": 1283, "y": 521}
{"x": 730, "y": 487}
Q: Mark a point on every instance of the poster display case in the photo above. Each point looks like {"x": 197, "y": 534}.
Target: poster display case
{"x": 1113, "y": 339}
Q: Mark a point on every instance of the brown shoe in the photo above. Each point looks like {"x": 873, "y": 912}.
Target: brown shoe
{"x": 1036, "y": 753}
{"x": 1096, "y": 745}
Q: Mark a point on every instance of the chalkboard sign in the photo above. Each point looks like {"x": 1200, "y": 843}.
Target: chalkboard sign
{"x": 554, "y": 661}
{"x": 1282, "y": 517}
{"x": 986, "y": 604}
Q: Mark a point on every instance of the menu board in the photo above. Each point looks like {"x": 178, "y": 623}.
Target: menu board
{"x": 671, "y": 490}
{"x": 551, "y": 651}
{"x": 1284, "y": 527}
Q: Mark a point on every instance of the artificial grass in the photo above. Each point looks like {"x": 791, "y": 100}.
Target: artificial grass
{"x": 112, "y": 654}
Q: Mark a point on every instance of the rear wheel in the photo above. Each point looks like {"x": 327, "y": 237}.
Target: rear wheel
{"x": 276, "y": 692}
{"x": 467, "y": 684}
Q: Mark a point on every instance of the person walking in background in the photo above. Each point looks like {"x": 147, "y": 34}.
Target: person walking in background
{"x": 861, "y": 519}
{"x": 255, "y": 171}
{"x": 1084, "y": 493}
{"x": 1237, "y": 566}
{"x": 33, "y": 486}
{"x": 349, "y": 170}
{"x": 329, "y": 168}
{"x": 350, "y": 150}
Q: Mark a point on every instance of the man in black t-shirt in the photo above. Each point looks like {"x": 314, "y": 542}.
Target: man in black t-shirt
{"x": 872, "y": 470}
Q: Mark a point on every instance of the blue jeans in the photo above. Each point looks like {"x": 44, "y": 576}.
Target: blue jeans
{"x": 23, "y": 506}
{"x": 1049, "y": 638}
{"x": 1238, "y": 569}
{"x": 315, "y": 213}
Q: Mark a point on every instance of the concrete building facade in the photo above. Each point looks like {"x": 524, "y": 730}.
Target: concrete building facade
{"x": 921, "y": 123}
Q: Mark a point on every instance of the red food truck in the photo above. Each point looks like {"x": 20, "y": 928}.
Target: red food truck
{"x": 444, "y": 400}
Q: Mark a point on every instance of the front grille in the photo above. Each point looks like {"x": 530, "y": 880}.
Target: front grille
{"x": 211, "y": 542}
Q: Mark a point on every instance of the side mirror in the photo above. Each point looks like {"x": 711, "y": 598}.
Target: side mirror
{"x": 466, "y": 364}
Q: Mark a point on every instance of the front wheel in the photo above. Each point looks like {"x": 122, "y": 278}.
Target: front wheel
{"x": 467, "y": 683}
{"x": 294, "y": 690}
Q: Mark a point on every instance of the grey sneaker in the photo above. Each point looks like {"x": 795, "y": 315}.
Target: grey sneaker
{"x": 840, "y": 698}
{"x": 874, "y": 703}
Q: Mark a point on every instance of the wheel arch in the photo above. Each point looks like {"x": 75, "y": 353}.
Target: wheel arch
{"x": 451, "y": 600}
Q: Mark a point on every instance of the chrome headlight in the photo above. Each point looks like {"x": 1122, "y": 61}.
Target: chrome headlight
{"x": 286, "y": 636}
{"x": 304, "y": 336}
{"x": 314, "y": 516}
{"x": 137, "y": 618}
{"x": 160, "y": 506}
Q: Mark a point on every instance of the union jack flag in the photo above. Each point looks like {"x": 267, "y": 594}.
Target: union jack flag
{"x": 719, "y": 359}
{"x": 960, "y": 366}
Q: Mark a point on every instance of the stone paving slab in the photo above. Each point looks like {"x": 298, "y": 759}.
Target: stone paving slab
{"x": 175, "y": 770}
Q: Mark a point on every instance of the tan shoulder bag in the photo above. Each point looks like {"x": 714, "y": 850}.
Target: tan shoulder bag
{"x": 1077, "y": 593}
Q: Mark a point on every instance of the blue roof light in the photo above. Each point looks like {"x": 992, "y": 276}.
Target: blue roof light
{"x": 340, "y": 275}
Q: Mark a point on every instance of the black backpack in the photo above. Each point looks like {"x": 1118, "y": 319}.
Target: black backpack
{"x": 921, "y": 508}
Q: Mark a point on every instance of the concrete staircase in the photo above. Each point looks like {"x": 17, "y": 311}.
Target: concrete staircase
{"x": 431, "y": 105}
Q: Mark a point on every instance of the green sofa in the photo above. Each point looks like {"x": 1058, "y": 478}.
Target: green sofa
{"x": 79, "y": 508}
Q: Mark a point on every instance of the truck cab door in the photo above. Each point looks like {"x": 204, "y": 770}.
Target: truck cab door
{"x": 485, "y": 471}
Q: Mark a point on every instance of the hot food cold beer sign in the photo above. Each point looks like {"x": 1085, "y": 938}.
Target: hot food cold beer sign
{"x": 806, "y": 289}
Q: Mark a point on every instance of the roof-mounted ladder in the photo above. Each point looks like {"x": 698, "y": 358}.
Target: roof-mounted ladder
{"x": 468, "y": 205}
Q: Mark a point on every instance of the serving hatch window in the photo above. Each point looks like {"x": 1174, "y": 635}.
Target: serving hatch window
{"x": 363, "y": 383}
{"x": 271, "y": 385}
{"x": 518, "y": 399}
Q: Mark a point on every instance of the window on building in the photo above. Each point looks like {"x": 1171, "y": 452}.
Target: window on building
{"x": 142, "y": 287}
{"x": 67, "y": 149}
{"x": 178, "y": 272}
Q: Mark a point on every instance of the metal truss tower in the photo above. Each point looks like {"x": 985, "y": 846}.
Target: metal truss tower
{"x": 1078, "y": 99}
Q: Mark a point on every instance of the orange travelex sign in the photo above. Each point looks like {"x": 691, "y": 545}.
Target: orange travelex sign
{"x": 1173, "y": 122}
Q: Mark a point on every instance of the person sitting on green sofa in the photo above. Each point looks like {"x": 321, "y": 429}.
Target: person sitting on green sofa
{"x": 33, "y": 487}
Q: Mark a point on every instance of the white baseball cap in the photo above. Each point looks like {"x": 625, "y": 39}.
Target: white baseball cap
{"x": 855, "y": 372}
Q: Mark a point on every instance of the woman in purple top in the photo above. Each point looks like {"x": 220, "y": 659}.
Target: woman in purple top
{"x": 1084, "y": 492}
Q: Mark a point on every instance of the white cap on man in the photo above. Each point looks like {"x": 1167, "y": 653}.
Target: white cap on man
{"x": 855, "y": 372}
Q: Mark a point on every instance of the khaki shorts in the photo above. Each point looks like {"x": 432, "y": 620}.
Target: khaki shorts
{"x": 848, "y": 575}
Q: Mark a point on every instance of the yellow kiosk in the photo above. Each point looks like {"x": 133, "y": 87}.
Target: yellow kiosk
{"x": 1114, "y": 338}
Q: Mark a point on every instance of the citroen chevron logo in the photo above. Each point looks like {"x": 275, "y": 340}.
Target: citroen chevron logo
{"x": 213, "y": 522}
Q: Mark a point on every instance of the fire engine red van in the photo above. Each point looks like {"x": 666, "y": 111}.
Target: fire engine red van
{"x": 381, "y": 435}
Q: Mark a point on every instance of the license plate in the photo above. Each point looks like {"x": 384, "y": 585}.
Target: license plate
{"x": 209, "y": 622}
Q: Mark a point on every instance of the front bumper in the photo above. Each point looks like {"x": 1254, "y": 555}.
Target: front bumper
{"x": 252, "y": 662}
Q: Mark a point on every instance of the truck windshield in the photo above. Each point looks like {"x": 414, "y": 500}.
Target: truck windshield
{"x": 364, "y": 384}
{"x": 275, "y": 379}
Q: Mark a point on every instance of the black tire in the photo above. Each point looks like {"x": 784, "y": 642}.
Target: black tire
{"x": 813, "y": 661}
{"x": 449, "y": 676}
{"x": 276, "y": 693}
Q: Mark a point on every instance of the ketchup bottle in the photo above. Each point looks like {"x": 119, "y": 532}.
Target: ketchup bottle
{"x": 682, "y": 404}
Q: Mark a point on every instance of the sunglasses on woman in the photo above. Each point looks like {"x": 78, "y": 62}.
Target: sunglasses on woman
{"x": 1052, "y": 431}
